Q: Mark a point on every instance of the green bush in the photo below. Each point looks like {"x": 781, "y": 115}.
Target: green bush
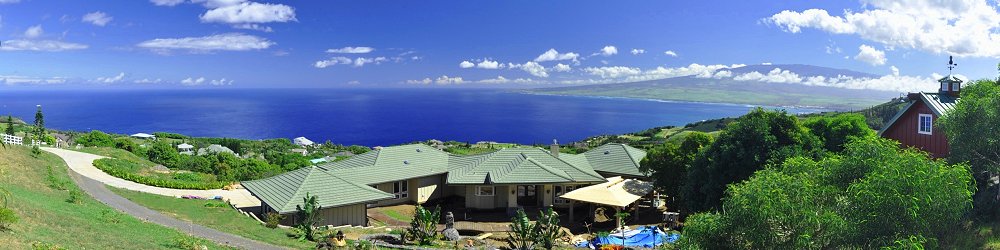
{"x": 55, "y": 182}
{"x": 95, "y": 139}
{"x": 110, "y": 216}
{"x": 35, "y": 151}
{"x": 74, "y": 196}
{"x": 45, "y": 246}
{"x": 423, "y": 228}
{"x": 272, "y": 219}
{"x": 7, "y": 218}
{"x": 127, "y": 170}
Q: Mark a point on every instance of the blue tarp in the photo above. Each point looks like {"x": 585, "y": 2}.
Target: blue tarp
{"x": 643, "y": 236}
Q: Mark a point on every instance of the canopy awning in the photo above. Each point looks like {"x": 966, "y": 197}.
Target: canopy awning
{"x": 618, "y": 192}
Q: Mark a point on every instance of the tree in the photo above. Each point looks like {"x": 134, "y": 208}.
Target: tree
{"x": 836, "y": 130}
{"x": 667, "y": 163}
{"x": 307, "y": 217}
{"x": 95, "y": 139}
{"x": 522, "y": 232}
{"x": 973, "y": 137}
{"x": 10, "y": 125}
{"x": 163, "y": 153}
{"x": 748, "y": 144}
{"x": 872, "y": 195}
{"x": 39, "y": 122}
{"x": 547, "y": 228}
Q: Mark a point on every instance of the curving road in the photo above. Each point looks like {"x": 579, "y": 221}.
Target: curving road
{"x": 98, "y": 190}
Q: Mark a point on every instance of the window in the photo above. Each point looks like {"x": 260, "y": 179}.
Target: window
{"x": 944, "y": 86}
{"x": 400, "y": 189}
{"x": 561, "y": 190}
{"x": 484, "y": 191}
{"x": 924, "y": 124}
{"x": 956, "y": 87}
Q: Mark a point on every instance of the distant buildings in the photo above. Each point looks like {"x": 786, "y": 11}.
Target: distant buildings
{"x": 144, "y": 136}
{"x": 185, "y": 148}
{"x": 215, "y": 149}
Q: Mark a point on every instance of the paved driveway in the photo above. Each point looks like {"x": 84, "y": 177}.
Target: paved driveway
{"x": 99, "y": 191}
{"x": 83, "y": 163}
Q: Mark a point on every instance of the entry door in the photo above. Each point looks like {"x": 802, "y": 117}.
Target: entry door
{"x": 526, "y": 195}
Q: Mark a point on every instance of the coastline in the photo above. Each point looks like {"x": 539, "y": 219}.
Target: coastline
{"x": 817, "y": 109}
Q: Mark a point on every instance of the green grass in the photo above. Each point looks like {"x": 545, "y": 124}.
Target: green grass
{"x": 46, "y": 217}
{"x": 118, "y": 154}
{"x": 132, "y": 171}
{"x": 396, "y": 215}
{"x": 223, "y": 219}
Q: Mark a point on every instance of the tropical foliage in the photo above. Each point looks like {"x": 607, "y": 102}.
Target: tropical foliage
{"x": 307, "y": 217}
{"x": 974, "y": 138}
{"x": 423, "y": 228}
{"x": 872, "y": 195}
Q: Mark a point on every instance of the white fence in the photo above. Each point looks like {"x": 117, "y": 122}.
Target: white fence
{"x": 13, "y": 140}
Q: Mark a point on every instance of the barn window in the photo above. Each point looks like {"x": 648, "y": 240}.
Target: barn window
{"x": 400, "y": 189}
{"x": 924, "y": 126}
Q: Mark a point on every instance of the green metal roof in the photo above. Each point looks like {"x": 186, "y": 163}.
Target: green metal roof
{"x": 346, "y": 182}
{"x": 391, "y": 164}
{"x": 283, "y": 192}
{"x": 517, "y": 165}
{"x": 610, "y": 158}
{"x": 939, "y": 103}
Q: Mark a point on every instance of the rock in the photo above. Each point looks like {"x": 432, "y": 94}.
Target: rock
{"x": 451, "y": 234}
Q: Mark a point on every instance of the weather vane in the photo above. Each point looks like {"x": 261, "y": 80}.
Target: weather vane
{"x": 951, "y": 64}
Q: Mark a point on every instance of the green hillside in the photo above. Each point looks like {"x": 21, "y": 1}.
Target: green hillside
{"x": 39, "y": 192}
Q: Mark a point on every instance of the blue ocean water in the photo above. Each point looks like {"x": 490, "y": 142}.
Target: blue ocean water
{"x": 357, "y": 116}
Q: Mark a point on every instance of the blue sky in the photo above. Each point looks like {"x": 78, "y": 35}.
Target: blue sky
{"x": 235, "y": 43}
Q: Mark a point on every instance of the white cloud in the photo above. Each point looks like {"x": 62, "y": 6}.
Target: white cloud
{"x": 147, "y": 80}
{"x": 638, "y": 51}
{"x": 553, "y": 55}
{"x": 466, "y": 64}
{"x": 166, "y": 2}
{"x": 357, "y": 62}
{"x": 609, "y": 50}
{"x": 693, "y": 69}
{"x": 963, "y": 28}
{"x": 351, "y": 50}
{"x": 253, "y": 26}
{"x": 113, "y": 79}
{"x": 97, "y": 18}
{"x": 332, "y": 61}
{"x": 40, "y": 45}
{"x": 670, "y": 53}
{"x": 776, "y": 75}
{"x": 34, "y": 31}
{"x": 501, "y": 79}
{"x": 425, "y": 81}
{"x": 192, "y": 81}
{"x": 361, "y": 61}
{"x": 14, "y": 80}
{"x": 561, "y": 68}
{"x": 444, "y": 80}
{"x": 250, "y": 12}
{"x": 613, "y": 72}
{"x": 895, "y": 71}
{"x": 870, "y": 55}
{"x": 9, "y": 1}
{"x": 230, "y": 42}
{"x": 221, "y": 82}
{"x": 532, "y": 68}
{"x": 487, "y": 64}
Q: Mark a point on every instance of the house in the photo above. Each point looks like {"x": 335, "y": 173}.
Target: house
{"x": 417, "y": 173}
{"x": 215, "y": 149}
{"x": 302, "y": 141}
{"x": 185, "y": 148}
{"x": 913, "y": 126}
{"x": 300, "y": 151}
{"x": 144, "y": 136}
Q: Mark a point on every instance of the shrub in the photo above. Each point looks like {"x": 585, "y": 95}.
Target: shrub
{"x": 126, "y": 170}
{"x": 45, "y": 246}
{"x": 271, "y": 219}
{"x": 423, "y": 228}
{"x": 74, "y": 196}
{"x": 547, "y": 228}
{"x": 7, "y": 218}
{"x": 215, "y": 204}
{"x": 54, "y": 182}
{"x": 189, "y": 243}
{"x": 307, "y": 216}
{"x": 110, "y": 216}
{"x": 35, "y": 151}
{"x": 95, "y": 139}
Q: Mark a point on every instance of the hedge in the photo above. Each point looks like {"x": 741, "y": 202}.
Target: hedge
{"x": 123, "y": 169}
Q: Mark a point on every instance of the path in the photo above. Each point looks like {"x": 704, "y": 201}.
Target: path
{"x": 83, "y": 163}
{"x": 102, "y": 194}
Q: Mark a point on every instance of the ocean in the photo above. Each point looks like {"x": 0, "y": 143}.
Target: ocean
{"x": 370, "y": 117}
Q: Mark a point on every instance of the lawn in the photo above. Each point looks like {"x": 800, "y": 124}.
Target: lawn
{"x": 39, "y": 198}
{"x": 222, "y": 218}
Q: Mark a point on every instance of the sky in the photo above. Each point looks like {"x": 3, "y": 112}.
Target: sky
{"x": 374, "y": 43}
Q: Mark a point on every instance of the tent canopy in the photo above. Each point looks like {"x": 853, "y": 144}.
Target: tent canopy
{"x": 618, "y": 192}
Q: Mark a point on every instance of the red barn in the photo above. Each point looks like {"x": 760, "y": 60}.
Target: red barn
{"x": 914, "y": 127}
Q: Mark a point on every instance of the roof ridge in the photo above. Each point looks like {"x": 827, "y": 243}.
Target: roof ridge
{"x": 552, "y": 170}
{"x": 632, "y": 159}
{"x": 574, "y": 166}
{"x": 298, "y": 189}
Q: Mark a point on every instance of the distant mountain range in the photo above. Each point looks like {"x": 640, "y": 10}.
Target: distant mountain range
{"x": 751, "y": 92}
